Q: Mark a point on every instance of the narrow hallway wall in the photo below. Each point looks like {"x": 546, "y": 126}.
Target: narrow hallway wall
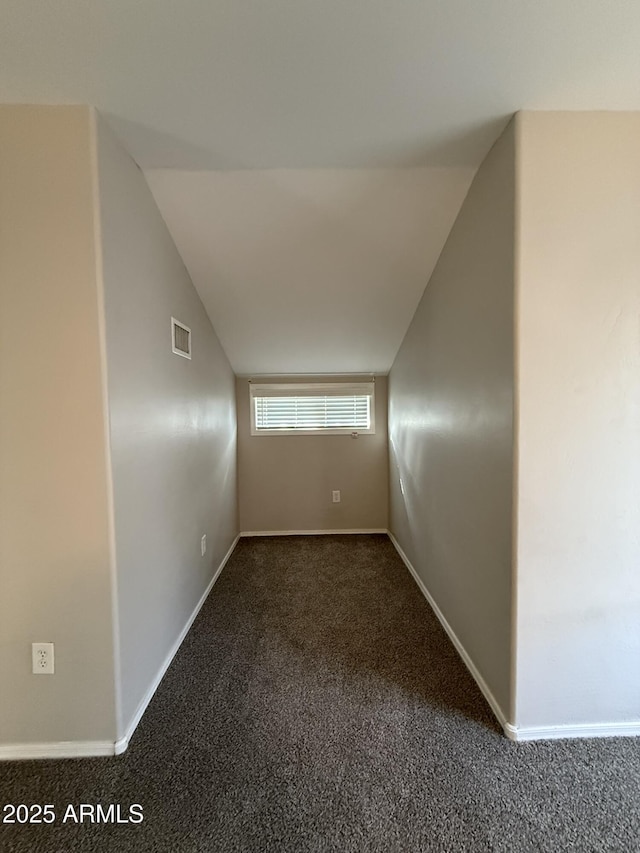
{"x": 285, "y": 481}
{"x": 173, "y": 429}
{"x": 451, "y": 426}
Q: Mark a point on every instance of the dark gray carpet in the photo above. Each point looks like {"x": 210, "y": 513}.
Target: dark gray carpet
{"x": 317, "y": 705}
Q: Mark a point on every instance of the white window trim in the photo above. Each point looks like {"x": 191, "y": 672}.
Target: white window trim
{"x": 312, "y": 389}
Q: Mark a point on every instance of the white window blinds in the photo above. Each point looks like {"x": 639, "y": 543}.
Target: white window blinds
{"x": 312, "y": 408}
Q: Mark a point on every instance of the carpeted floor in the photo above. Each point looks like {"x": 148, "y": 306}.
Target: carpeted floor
{"x": 317, "y": 705}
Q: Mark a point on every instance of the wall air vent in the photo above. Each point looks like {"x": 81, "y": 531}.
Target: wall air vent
{"x": 180, "y": 338}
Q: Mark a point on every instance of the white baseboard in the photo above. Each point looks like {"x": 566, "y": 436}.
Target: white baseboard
{"x": 121, "y": 744}
{"x": 83, "y": 749}
{"x": 62, "y": 749}
{"x": 486, "y": 692}
{"x": 582, "y": 730}
{"x": 515, "y": 733}
{"x": 311, "y": 532}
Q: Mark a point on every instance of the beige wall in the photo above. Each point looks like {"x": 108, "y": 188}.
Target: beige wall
{"x": 103, "y": 431}
{"x": 173, "y": 428}
{"x": 285, "y": 481}
{"x": 54, "y": 533}
{"x": 451, "y": 425}
{"x": 579, "y": 439}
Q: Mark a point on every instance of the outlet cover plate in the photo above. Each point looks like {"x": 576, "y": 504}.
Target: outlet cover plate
{"x": 42, "y": 658}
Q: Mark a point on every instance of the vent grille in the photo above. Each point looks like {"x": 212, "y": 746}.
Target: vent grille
{"x": 180, "y": 338}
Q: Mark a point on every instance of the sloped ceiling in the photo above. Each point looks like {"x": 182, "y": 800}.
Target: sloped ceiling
{"x": 303, "y": 85}
{"x": 313, "y": 271}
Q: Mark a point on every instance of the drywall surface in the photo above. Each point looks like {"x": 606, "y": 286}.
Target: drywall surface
{"x": 451, "y": 425}
{"x": 54, "y": 536}
{"x": 173, "y": 427}
{"x": 578, "y": 652}
{"x": 312, "y": 270}
{"x": 286, "y": 481}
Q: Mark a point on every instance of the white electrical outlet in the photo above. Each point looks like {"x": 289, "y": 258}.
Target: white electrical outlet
{"x": 335, "y": 495}
{"x": 42, "y": 658}
{"x": 203, "y": 545}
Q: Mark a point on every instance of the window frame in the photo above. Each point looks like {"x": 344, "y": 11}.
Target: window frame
{"x": 307, "y": 388}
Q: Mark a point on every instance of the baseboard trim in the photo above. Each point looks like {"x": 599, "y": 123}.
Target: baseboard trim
{"x": 61, "y": 749}
{"x": 248, "y": 533}
{"x": 515, "y": 733}
{"x": 486, "y": 692}
{"x": 85, "y": 749}
{"x": 582, "y": 730}
{"x": 120, "y": 745}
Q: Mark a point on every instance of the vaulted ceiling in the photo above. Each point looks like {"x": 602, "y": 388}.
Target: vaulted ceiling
{"x": 373, "y": 115}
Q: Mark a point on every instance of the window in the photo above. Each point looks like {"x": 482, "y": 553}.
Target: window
{"x": 314, "y": 408}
